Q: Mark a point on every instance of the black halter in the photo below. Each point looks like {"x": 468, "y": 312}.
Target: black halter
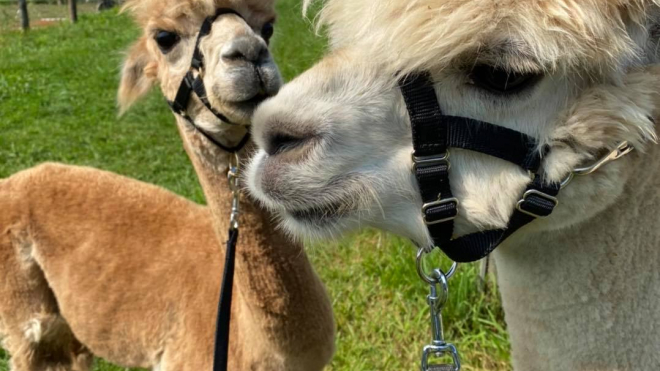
{"x": 192, "y": 84}
{"x": 433, "y": 135}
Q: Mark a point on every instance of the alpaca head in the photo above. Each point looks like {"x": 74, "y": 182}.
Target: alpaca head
{"x": 238, "y": 71}
{"x": 576, "y": 75}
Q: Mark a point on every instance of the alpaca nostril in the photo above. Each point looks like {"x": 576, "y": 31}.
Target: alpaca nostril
{"x": 245, "y": 49}
{"x": 233, "y": 54}
{"x": 280, "y": 143}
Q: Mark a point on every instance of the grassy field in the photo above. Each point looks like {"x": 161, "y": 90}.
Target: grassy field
{"x": 57, "y": 103}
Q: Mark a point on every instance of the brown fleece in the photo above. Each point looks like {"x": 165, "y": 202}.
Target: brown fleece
{"x": 96, "y": 263}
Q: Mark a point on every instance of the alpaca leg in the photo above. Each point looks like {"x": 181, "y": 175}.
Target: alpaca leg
{"x": 35, "y": 335}
{"x": 47, "y": 344}
{"x": 176, "y": 357}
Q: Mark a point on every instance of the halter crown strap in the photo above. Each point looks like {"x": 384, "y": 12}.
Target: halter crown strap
{"x": 197, "y": 62}
{"x": 433, "y": 135}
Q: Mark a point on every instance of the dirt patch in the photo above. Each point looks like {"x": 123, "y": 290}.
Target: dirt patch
{"x": 45, "y": 22}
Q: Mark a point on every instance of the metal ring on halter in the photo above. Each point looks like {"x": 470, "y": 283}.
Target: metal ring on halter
{"x": 431, "y": 280}
{"x": 621, "y": 150}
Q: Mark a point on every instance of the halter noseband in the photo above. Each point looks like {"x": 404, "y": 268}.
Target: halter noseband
{"x": 433, "y": 135}
{"x": 191, "y": 84}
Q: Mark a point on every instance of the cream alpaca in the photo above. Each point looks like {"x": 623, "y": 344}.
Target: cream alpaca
{"x": 282, "y": 318}
{"x": 579, "y": 76}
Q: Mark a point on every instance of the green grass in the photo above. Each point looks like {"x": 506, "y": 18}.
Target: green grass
{"x": 57, "y": 103}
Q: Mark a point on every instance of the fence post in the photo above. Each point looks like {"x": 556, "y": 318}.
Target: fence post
{"x": 73, "y": 11}
{"x": 25, "y": 19}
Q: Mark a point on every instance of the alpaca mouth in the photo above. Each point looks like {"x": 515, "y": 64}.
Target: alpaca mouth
{"x": 321, "y": 214}
{"x": 248, "y": 106}
{"x": 340, "y": 200}
{"x": 253, "y": 101}
{"x": 256, "y": 99}
{"x": 242, "y": 111}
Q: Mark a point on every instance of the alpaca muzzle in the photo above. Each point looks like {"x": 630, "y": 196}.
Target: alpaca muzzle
{"x": 193, "y": 83}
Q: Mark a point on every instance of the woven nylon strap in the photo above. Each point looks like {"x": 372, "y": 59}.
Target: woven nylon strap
{"x": 433, "y": 134}
{"x": 475, "y": 246}
{"x": 430, "y": 141}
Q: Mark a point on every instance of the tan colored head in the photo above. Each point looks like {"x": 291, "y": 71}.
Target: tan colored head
{"x": 577, "y": 75}
{"x": 238, "y": 73}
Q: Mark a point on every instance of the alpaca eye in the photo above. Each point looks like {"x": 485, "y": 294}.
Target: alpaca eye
{"x": 267, "y": 31}
{"x": 166, "y": 40}
{"x": 501, "y": 81}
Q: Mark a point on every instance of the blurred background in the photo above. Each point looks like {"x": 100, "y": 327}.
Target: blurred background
{"x": 58, "y": 82}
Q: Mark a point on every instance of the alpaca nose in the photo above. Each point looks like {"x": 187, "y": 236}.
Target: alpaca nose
{"x": 280, "y": 142}
{"x": 247, "y": 49}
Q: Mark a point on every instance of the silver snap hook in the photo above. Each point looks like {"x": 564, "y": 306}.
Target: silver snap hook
{"x": 438, "y": 351}
{"x": 436, "y": 299}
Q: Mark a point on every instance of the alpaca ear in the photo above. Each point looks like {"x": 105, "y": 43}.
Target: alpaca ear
{"x": 137, "y": 75}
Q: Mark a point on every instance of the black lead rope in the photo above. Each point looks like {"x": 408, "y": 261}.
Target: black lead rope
{"x": 433, "y": 135}
{"x": 221, "y": 350}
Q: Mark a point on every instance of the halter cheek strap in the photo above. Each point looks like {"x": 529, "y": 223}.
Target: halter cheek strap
{"x": 191, "y": 84}
{"x": 433, "y": 135}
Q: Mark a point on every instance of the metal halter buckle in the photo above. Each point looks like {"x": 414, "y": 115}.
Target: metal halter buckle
{"x": 431, "y": 160}
{"x": 429, "y": 205}
{"x": 534, "y": 192}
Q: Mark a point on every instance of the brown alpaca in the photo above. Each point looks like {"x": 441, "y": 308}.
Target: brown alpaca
{"x": 96, "y": 263}
{"x": 278, "y": 295}
{"x": 135, "y": 308}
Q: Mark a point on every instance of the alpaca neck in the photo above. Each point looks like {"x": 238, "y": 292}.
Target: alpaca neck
{"x": 282, "y": 301}
{"x": 587, "y": 297}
